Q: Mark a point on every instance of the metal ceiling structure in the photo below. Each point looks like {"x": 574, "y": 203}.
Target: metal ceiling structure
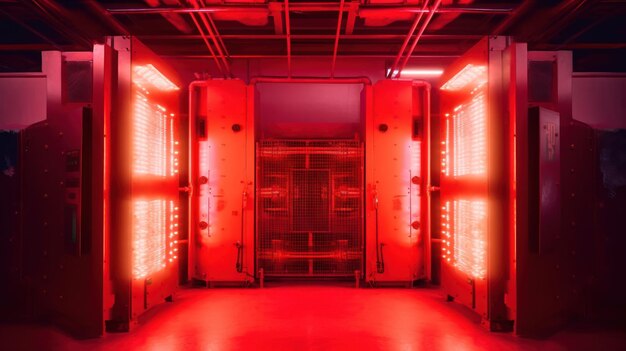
{"x": 223, "y": 30}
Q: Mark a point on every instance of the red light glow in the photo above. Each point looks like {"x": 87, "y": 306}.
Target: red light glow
{"x": 470, "y": 75}
{"x": 464, "y": 158}
{"x": 464, "y": 241}
{"x": 416, "y": 72}
{"x": 149, "y": 237}
{"x": 150, "y": 144}
{"x": 469, "y": 133}
{"x": 155, "y": 166}
{"x": 149, "y": 76}
{"x": 155, "y": 236}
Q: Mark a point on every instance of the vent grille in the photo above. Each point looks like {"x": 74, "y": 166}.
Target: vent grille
{"x": 309, "y": 208}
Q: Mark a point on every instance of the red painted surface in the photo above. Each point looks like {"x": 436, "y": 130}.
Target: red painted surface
{"x": 328, "y": 318}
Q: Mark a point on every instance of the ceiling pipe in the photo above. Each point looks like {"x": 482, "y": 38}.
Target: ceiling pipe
{"x": 219, "y": 36}
{"x": 217, "y": 33}
{"x": 272, "y": 56}
{"x": 418, "y": 18}
{"x": 214, "y": 39}
{"x": 311, "y": 80}
{"x": 514, "y": 16}
{"x": 175, "y": 19}
{"x": 288, "y": 30}
{"x": 312, "y": 36}
{"x": 332, "y": 69}
{"x": 206, "y": 41}
{"x": 33, "y": 30}
{"x": 106, "y": 16}
{"x": 313, "y": 7}
{"x": 417, "y": 38}
{"x": 59, "y": 18}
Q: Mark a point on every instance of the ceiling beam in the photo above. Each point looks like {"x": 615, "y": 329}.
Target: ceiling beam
{"x": 451, "y": 37}
{"x": 282, "y": 56}
{"x": 313, "y": 7}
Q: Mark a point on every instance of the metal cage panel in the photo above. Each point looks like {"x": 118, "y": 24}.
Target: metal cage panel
{"x": 309, "y": 207}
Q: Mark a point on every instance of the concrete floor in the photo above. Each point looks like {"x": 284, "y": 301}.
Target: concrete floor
{"x": 301, "y": 317}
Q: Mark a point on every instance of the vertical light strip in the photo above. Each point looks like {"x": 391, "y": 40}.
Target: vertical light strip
{"x": 445, "y": 153}
{"x": 446, "y": 232}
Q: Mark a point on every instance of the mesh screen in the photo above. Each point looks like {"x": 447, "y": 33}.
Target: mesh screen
{"x": 309, "y": 207}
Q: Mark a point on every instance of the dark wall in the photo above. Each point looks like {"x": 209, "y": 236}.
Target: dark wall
{"x": 610, "y": 249}
{"x": 9, "y": 224}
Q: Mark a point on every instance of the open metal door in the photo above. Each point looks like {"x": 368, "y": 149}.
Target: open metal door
{"x": 476, "y": 181}
{"x": 144, "y": 183}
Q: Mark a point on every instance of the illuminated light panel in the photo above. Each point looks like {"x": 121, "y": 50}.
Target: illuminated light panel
{"x": 155, "y": 236}
{"x": 153, "y": 144}
{"x": 470, "y": 74}
{"x": 415, "y": 72}
{"x": 148, "y": 75}
{"x": 469, "y": 235}
{"x": 149, "y": 237}
{"x": 469, "y": 138}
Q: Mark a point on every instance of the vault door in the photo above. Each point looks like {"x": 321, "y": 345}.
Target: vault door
{"x": 309, "y": 208}
{"x": 221, "y": 241}
{"x": 397, "y": 180}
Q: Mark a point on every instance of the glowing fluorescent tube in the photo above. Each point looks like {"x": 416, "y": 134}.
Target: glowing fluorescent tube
{"x": 470, "y": 74}
{"x": 148, "y": 75}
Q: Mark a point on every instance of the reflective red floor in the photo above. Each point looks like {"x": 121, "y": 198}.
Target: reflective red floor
{"x": 301, "y": 317}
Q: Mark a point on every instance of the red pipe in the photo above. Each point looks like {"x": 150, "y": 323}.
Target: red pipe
{"x": 214, "y": 28}
{"x": 332, "y": 70}
{"x": 406, "y": 41}
{"x": 212, "y": 34}
{"x": 206, "y": 41}
{"x": 364, "y": 11}
{"x": 312, "y": 36}
{"x": 219, "y": 36}
{"x": 312, "y": 80}
{"x": 106, "y": 16}
{"x": 417, "y": 38}
{"x": 288, "y": 30}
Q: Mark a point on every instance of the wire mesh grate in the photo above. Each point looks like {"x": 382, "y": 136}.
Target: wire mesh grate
{"x": 309, "y": 207}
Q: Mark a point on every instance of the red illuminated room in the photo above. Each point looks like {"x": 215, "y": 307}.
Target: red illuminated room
{"x": 307, "y": 175}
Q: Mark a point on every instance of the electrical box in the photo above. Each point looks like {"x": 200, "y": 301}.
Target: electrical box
{"x": 310, "y": 208}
